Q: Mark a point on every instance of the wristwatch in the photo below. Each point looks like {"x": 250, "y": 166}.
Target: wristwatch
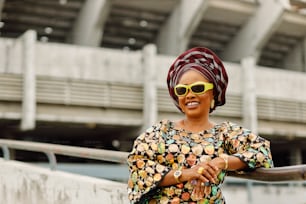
{"x": 177, "y": 174}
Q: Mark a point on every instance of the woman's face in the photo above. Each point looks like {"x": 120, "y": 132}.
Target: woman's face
{"x": 195, "y": 105}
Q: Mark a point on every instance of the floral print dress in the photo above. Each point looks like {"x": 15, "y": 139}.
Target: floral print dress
{"x": 163, "y": 147}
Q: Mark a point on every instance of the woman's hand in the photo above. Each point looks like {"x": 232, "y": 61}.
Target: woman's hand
{"x": 209, "y": 170}
{"x": 204, "y": 172}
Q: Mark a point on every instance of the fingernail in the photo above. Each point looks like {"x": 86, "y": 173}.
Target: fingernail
{"x": 193, "y": 182}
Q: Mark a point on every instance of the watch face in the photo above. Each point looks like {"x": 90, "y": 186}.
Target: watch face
{"x": 177, "y": 173}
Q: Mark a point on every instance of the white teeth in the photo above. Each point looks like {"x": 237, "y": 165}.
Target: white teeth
{"x": 192, "y": 103}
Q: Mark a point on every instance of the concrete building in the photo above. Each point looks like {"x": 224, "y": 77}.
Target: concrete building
{"x": 92, "y": 73}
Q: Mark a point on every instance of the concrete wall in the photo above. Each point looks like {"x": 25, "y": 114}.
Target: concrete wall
{"x": 269, "y": 193}
{"x": 21, "y": 183}
{"x": 79, "y": 76}
{"x": 101, "y": 64}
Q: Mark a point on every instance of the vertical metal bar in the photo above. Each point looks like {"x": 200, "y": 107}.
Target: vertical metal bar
{"x": 52, "y": 160}
{"x": 6, "y": 152}
{"x": 249, "y": 190}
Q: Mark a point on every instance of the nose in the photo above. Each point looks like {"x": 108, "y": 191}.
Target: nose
{"x": 189, "y": 94}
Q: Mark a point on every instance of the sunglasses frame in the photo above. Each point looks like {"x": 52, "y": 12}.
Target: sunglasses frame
{"x": 207, "y": 86}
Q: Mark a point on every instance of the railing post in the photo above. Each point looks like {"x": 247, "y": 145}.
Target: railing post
{"x": 6, "y": 152}
{"x": 249, "y": 190}
{"x": 52, "y": 160}
{"x": 149, "y": 83}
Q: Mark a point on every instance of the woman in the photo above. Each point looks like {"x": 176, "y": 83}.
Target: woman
{"x": 185, "y": 161}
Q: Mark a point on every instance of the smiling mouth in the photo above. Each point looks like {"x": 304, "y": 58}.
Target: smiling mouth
{"x": 192, "y": 104}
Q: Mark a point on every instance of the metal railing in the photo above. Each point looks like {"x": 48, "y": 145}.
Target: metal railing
{"x": 299, "y": 4}
{"x": 52, "y": 149}
{"x": 277, "y": 174}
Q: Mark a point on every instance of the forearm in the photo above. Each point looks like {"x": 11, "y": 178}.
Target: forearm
{"x": 204, "y": 172}
{"x": 228, "y": 162}
{"x": 234, "y": 163}
{"x": 169, "y": 179}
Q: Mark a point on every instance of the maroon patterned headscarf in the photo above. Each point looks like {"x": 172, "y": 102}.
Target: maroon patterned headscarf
{"x": 207, "y": 63}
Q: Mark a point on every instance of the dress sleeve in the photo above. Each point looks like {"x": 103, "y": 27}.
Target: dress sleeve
{"x": 146, "y": 165}
{"x": 250, "y": 148}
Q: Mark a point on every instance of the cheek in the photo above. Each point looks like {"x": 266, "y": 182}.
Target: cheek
{"x": 205, "y": 100}
{"x": 181, "y": 102}
{"x": 209, "y": 96}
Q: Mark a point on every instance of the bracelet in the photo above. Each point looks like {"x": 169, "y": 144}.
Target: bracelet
{"x": 225, "y": 158}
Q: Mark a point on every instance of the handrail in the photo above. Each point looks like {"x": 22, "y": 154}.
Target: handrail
{"x": 277, "y": 174}
{"x": 51, "y": 149}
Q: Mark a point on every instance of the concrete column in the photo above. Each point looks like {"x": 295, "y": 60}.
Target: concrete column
{"x": 296, "y": 60}
{"x": 88, "y": 29}
{"x": 1, "y": 7}
{"x": 29, "y": 80}
{"x": 174, "y": 36}
{"x": 304, "y": 54}
{"x": 249, "y": 105}
{"x": 296, "y": 157}
{"x": 253, "y": 36}
{"x": 150, "y": 89}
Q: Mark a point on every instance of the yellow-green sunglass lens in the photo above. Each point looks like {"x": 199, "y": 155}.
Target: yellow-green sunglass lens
{"x": 196, "y": 88}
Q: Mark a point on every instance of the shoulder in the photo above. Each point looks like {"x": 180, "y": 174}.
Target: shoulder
{"x": 228, "y": 125}
{"x": 234, "y": 128}
{"x": 160, "y": 125}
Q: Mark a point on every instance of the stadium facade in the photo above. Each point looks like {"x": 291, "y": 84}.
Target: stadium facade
{"x": 93, "y": 73}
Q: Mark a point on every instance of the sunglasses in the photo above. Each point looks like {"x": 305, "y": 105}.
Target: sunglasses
{"x": 196, "y": 88}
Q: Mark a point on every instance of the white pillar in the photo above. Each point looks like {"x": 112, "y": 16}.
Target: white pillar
{"x": 304, "y": 54}
{"x": 149, "y": 83}
{"x": 1, "y": 7}
{"x": 294, "y": 60}
{"x": 175, "y": 34}
{"x": 29, "y": 80}
{"x": 296, "y": 157}
{"x": 88, "y": 29}
{"x": 257, "y": 31}
{"x": 249, "y": 105}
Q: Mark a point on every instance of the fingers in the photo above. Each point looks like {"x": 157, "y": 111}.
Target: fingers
{"x": 200, "y": 170}
{"x": 214, "y": 167}
{"x": 208, "y": 173}
{"x": 198, "y": 191}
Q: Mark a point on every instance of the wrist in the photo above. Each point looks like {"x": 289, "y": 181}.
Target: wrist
{"x": 177, "y": 175}
{"x": 224, "y": 157}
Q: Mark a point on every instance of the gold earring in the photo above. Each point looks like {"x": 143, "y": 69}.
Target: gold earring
{"x": 212, "y": 104}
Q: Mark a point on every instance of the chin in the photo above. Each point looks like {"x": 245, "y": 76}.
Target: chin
{"x": 193, "y": 113}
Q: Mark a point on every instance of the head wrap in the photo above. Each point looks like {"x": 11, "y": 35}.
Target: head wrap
{"x": 208, "y": 64}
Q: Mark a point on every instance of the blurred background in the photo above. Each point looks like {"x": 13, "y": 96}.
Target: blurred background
{"x": 92, "y": 73}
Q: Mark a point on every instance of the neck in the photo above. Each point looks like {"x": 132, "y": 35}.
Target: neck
{"x": 196, "y": 124}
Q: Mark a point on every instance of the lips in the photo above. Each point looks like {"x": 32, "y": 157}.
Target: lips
{"x": 192, "y": 104}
